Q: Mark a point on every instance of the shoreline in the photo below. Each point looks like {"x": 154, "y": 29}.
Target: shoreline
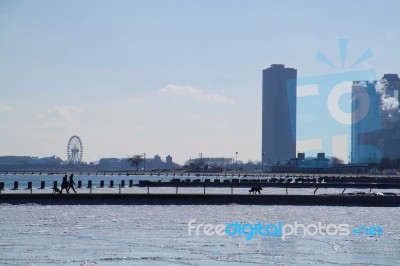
{"x": 175, "y": 173}
{"x": 199, "y": 199}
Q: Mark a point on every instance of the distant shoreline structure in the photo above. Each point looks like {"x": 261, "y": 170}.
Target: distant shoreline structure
{"x": 185, "y": 173}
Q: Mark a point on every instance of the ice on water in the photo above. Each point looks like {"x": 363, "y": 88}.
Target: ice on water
{"x": 158, "y": 235}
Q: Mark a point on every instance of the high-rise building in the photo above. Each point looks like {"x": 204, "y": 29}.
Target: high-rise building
{"x": 375, "y": 128}
{"x": 278, "y": 114}
{"x": 168, "y": 162}
{"x": 365, "y": 123}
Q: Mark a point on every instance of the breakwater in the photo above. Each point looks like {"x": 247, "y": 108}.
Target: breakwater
{"x": 199, "y": 199}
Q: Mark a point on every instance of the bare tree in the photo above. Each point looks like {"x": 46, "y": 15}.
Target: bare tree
{"x": 135, "y": 161}
{"x": 336, "y": 161}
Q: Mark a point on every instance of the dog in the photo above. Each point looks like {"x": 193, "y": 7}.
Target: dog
{"x": 56, "y": 190}
{"x": 255, "y": 190}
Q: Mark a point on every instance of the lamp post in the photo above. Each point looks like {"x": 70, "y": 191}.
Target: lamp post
{"x": 144, "y": 162}
{"x": 262, "y": 163}
{"x": 236, "y": 160}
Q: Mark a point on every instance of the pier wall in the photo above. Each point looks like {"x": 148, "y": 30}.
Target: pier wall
{"x": 198, "y": 199}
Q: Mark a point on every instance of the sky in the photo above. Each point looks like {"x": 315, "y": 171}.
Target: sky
{"x": 169, "y": 77}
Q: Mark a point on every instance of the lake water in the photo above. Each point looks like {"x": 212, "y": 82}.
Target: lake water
{"x": 158, "y": 235}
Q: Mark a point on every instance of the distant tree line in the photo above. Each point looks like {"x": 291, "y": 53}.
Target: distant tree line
{"x": 135, "y": 161}
{"x": 337, "y": 161}
{"x": 200, "y": 165}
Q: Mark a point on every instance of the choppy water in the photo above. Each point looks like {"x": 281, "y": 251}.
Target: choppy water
{"x": 158, "y": 235}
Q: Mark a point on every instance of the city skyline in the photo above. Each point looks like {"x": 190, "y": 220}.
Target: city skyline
{"x": 166, "y": 78}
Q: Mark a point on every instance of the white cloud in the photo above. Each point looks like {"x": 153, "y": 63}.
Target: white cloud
{"x": 387, "y": 103}
{"x": 199, "y": 94}
{"x": 60, "y": 116}
{"x": 381, "y": 86}
{"x": 135, "y": 100}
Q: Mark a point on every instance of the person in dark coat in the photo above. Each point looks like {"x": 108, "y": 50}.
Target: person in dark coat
{"x": 71, "y": 183}
{"x": 64, "y": 184}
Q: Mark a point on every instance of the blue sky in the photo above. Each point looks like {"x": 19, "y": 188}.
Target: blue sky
{"x": 168, "y": 77}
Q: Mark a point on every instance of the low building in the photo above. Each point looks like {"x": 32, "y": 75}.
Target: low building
{"x": 319, "y": 164}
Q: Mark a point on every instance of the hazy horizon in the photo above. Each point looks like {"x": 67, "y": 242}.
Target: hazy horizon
{"x": 172, "y": 78}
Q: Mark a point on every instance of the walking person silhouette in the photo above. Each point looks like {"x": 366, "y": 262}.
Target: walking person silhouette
{"x": 64, "y": 184}
{"x": 71, "y": 183}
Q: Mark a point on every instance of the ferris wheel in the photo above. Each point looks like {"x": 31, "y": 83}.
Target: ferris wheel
{"x": 74, "y": 150}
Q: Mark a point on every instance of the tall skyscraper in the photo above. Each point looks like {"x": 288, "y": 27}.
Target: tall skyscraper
{"x": 365, "y": 123}
{"x": 375, "y": 128}
{"x": 278, "y": 114}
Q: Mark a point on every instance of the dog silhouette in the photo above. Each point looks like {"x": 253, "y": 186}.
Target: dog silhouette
{"x": 254, "y": 190}
{"x": 56, "y": 190}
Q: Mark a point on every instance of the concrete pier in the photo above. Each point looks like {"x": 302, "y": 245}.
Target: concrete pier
{"x": 264, "y": 183}
{"x": 199, "y": 199}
